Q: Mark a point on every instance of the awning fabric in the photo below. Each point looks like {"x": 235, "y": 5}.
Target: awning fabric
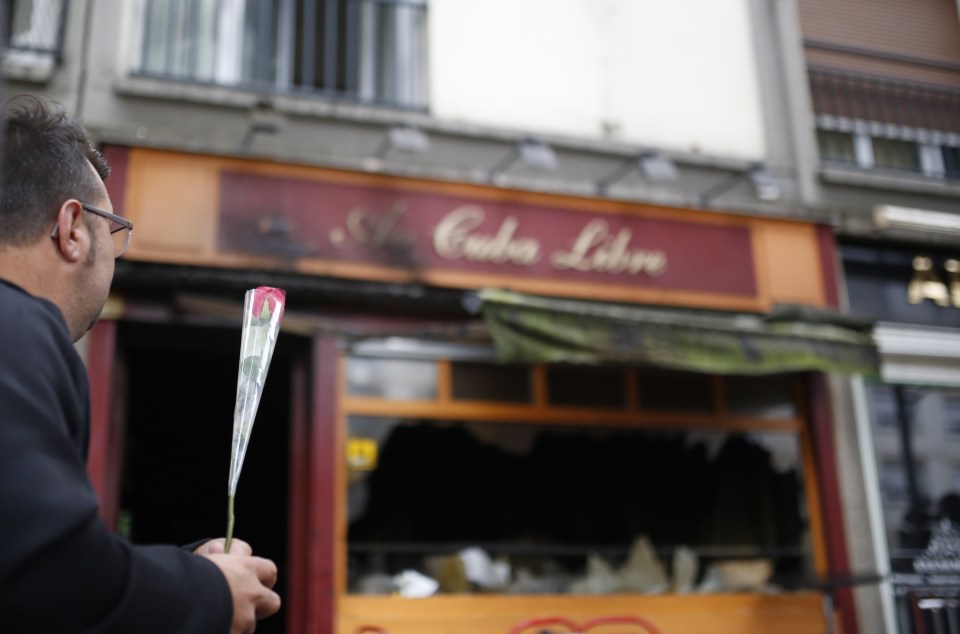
{"x": 534, "y": 329}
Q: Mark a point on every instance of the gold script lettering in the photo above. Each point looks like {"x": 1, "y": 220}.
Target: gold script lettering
{"x": 925, "y": 284}
{"x": 371, "y": 229}
{"x": 454, "y": 239}
{"x": 596, "y": 250}
{"x": 953, "y": 269}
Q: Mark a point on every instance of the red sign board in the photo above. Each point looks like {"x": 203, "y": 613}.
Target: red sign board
{"x": 434, "y": 231}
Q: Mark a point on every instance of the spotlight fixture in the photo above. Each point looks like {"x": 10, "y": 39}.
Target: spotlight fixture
{"x": 765, "y": 185}
{"x": 255, "y": 128}
{"x": 262, "y": 120}
{"x": 654, "y": 166}
{"x": 405, "y": 139}
{"x": 530, "y": 153}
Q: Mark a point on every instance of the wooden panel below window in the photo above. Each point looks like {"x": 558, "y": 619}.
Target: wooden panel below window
{"x": 671, "y": 614}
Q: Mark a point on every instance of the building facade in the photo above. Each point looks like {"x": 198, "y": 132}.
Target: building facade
{"x": 883, "y": 85}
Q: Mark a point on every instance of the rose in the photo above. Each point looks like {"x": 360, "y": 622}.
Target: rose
{"x": 265, "y": 304}
{"x": 262, "y": 310}
{"x": 266, "y": 300}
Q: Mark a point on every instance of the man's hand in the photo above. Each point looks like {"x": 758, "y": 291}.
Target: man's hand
{"x": 216, "y": 546}
{"x": 250, "y": 580}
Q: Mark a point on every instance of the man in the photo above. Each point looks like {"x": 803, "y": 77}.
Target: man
{"x": 61, "y": 569}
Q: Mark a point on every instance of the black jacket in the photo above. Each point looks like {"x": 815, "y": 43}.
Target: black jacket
{"x": 61, "y": 569}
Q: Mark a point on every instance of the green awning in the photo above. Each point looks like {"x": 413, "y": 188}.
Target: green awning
{"x": 535, "y": 329}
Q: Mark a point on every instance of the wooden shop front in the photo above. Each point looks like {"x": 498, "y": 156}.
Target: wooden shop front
{"x": 625, "y": 414}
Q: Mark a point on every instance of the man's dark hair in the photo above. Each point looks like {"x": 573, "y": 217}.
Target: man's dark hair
{"x": 43, "y": 162}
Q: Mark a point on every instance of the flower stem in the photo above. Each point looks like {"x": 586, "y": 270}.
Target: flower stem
{"x": 226, "y": 546}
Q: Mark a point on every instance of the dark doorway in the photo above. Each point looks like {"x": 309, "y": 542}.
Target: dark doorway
{"x": 182, "y": 384}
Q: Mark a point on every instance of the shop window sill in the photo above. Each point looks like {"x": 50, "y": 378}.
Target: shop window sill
{"x": 30, "y": 66}
{"x": 904, "y": 182}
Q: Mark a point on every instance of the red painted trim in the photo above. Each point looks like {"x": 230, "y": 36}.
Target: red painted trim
{"x": 296, "y": 598}
{"x": 321, "y": 597}
{"x": 118, "y": 156}
{"x": 828, "y": 264}
{"x": 838, "y": 558}
{"x": 102, "y": 461}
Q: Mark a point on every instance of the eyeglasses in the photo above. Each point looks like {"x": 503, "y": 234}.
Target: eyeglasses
{"x": 120, "y": 229}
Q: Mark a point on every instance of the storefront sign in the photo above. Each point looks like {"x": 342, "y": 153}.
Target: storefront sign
{"x": 319, "y": 222}
{"x": 422, "y": 230}
{"x": 899, "y": 285}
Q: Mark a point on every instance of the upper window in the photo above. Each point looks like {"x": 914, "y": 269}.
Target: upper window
{"x": 885, "y": 124}
{"x": 372, "y": 51}
{"x": 32, "y": 37}
{"x": 35, "y": 25}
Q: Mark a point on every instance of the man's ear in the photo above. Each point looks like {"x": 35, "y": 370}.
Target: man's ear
{"x": 70, "y": 233}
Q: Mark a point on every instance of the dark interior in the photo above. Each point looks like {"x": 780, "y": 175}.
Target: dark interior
{"x": 182, "y": 386}
{"x": 438, "y": 487}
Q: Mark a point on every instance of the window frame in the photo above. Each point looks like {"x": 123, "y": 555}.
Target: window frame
{"x": 929, "y": 146}
{"x": 227, "y": 62}
{"x": 444, "y": 407}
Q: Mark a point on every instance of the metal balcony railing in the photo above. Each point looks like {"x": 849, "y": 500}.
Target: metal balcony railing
{"x": 33, "y": 26}
{"x": 369, "y": 51}
{"x": 859, "y": 98}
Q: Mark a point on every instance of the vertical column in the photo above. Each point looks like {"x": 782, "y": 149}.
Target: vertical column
{"x": 821, "y": 422}
{"x": 323, "y": 518}
{"x": 103, "y": 461}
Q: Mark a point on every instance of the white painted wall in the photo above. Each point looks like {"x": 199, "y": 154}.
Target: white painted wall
{"x": 672, "y": 74}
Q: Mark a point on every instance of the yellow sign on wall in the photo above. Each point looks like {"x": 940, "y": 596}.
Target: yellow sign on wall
{"x": 362, "y": 454}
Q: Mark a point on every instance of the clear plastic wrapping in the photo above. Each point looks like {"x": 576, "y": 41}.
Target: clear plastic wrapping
{"x": 262, "y": 311}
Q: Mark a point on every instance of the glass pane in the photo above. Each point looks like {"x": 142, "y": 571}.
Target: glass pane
{"x": 883, "y": 408}
{"x": 395, "y": 52}
{"x": 918, "y": 455}
{"x": 540, "y": 505}
{"x": 893, "y": 481}
{"x": 222, "y": 42}
{"x": 179, "y": 40}
{"x": 836, "y": 147}
{"x": 896, "y": 154}
{"x": 680, "y": 392}
{"x": 491, "y": 382}
{"x": 586, "y": 386}
{"x": 397, "y": 379}
{"x": 951, "y": 413}
{"x": 324, "y": 49}
{"x": 951, "y": 161}
{"x": 761, "y": 396}
{"x": 34, "y": 25}
{"x": 259, "y": 61}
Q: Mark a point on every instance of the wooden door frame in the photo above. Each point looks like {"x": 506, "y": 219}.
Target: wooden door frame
{"x": 106, "y": 420}
{"x": 307, "y": 478}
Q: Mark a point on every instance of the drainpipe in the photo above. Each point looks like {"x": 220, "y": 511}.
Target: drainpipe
{"x": 84, "y": 57}
{"x": 916, "y": 513}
